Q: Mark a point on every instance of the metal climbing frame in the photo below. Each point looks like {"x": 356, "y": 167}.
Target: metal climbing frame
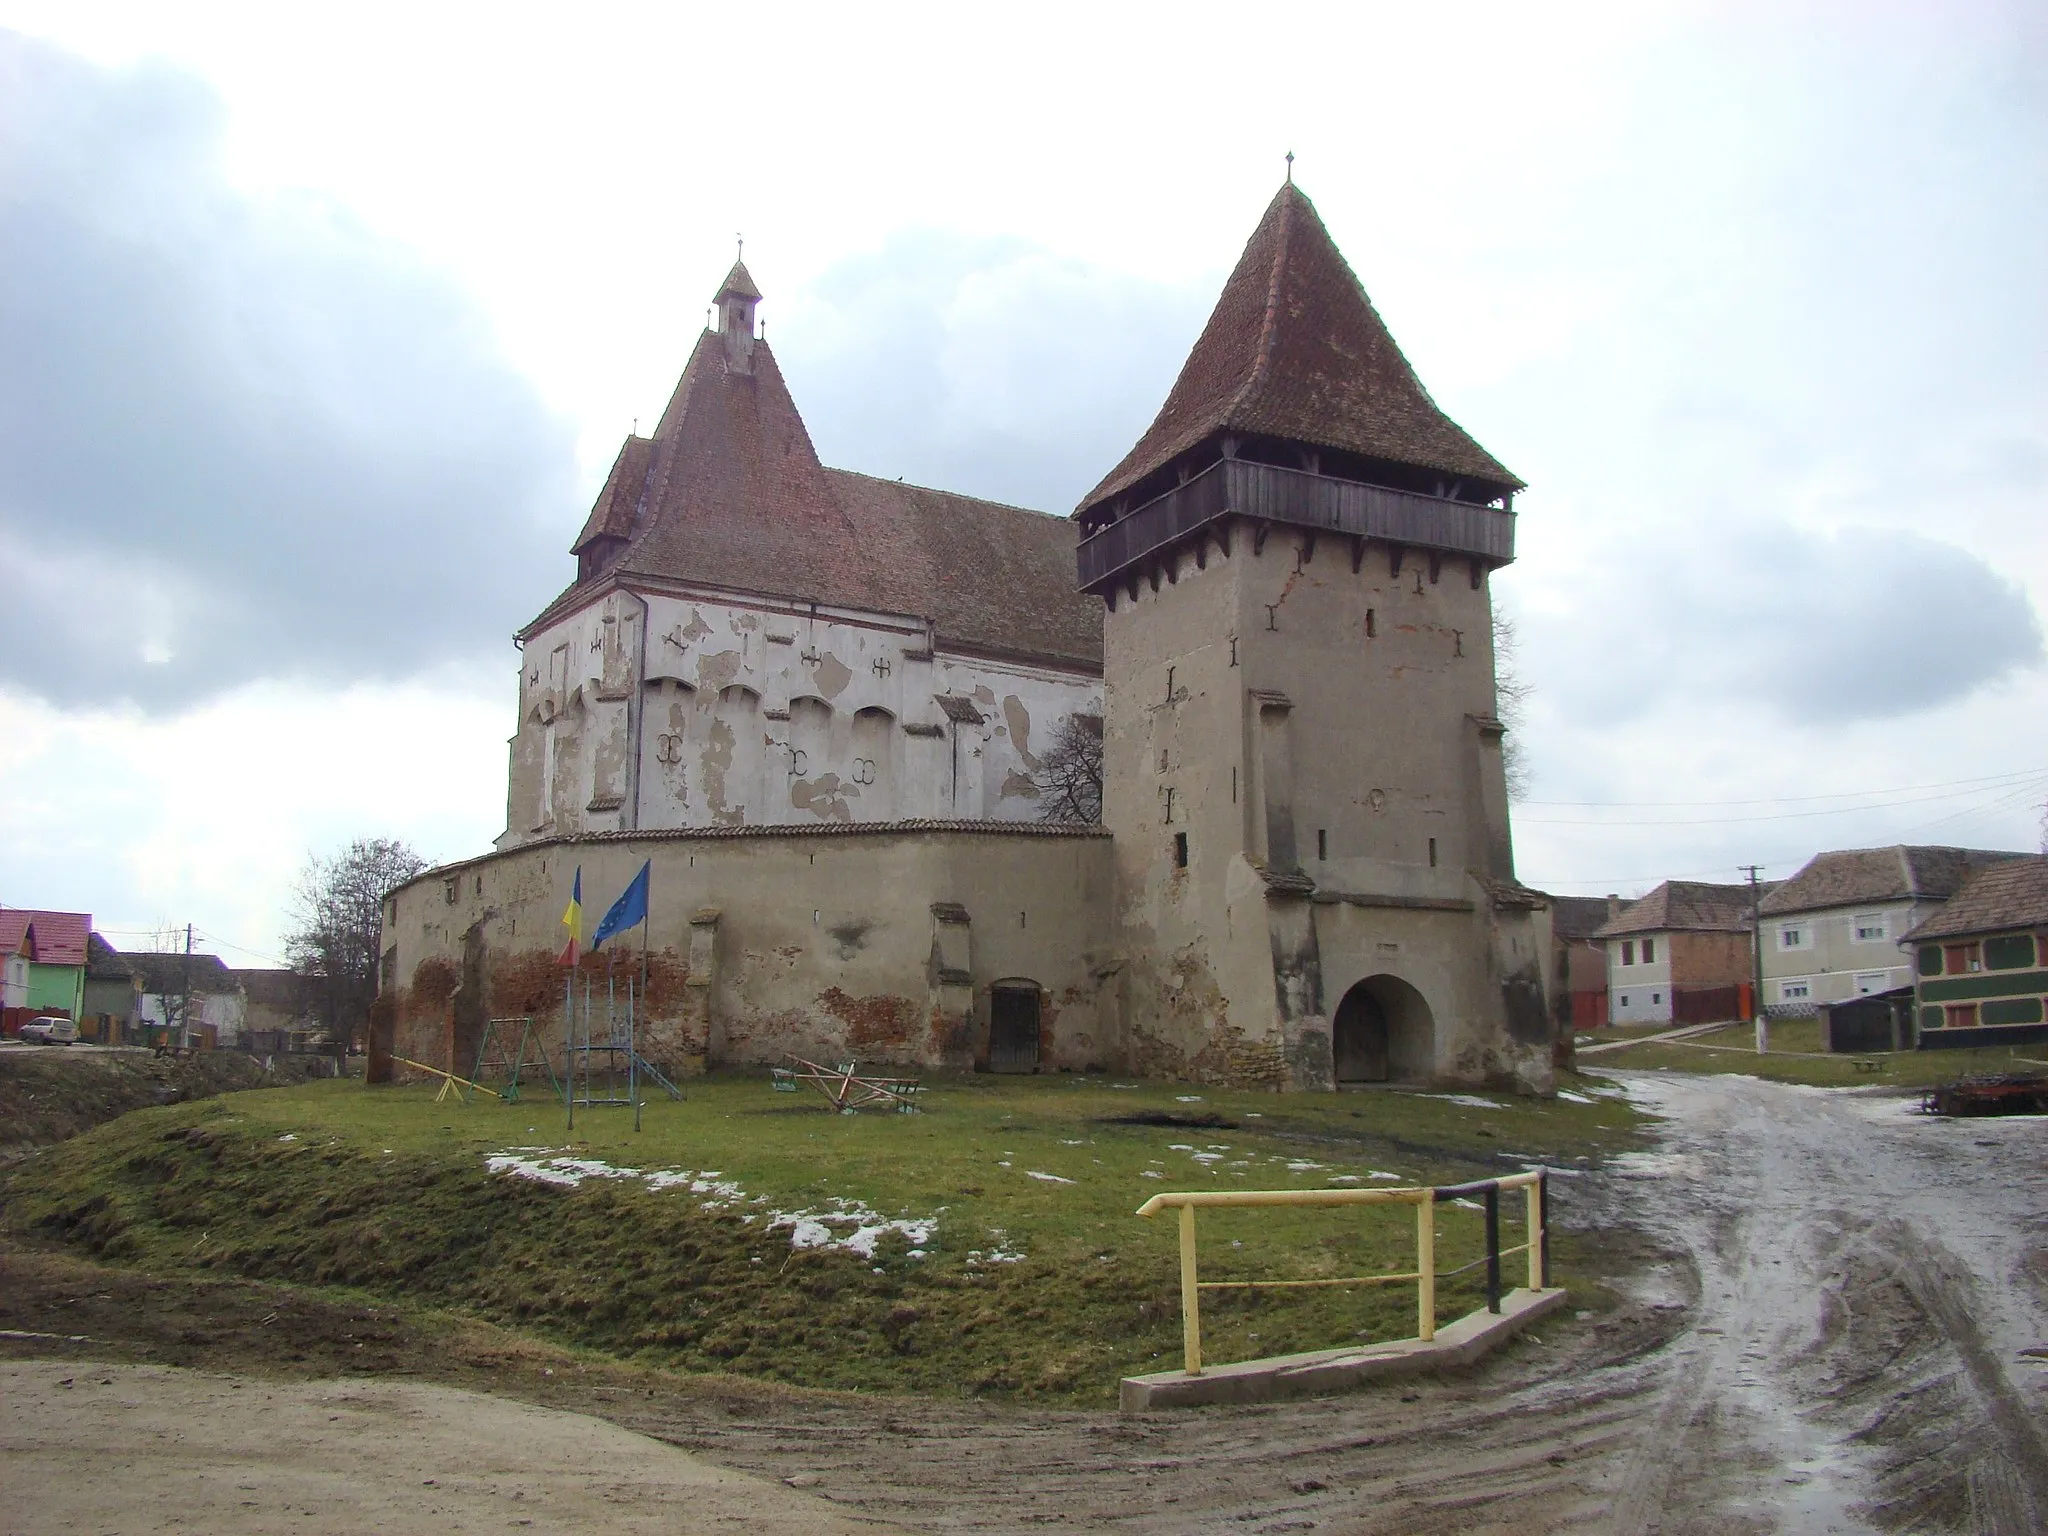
{"x": 512, "y": 1049}
{"x": 604, "y": 1069}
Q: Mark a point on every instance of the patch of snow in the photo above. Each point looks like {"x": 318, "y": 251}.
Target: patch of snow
{"x": 1187, "y": 1098}
{"x": 1302, "y": 1167}
{"x": 1208, "y": 1157}
{"x": 1469, "y": 1100}
{"x": 1048, "y": 1178}
{"x": 1470, "y": 1205}
{"x": 1345, "y": 1178}
{"x": 844, "y": 1224}
{"x": 1376, "y": 1173}
{"x": 1150, "y": 1173}
{"x": 1066, "y": 1143}
{"x": 1179, "y": 1146}
{"x": 287, "y": 1136}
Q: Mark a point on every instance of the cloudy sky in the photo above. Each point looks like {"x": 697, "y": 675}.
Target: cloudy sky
{"x": 318, "y": 328}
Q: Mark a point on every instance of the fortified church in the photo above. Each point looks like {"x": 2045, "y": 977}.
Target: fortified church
{"x": 817, "y": 703}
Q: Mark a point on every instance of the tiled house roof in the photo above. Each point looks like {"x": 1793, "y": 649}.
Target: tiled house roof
{"x": 1854, "y": 877}
{"x": 1294, "y": 349}
{"x": 1578, "y": 917}
{"x": 61, "y": 937}
{"x": 165, "y": 971}
{"x": 1683, "y": 906}
{"x": 103, "y": 962}
{"x": 2010, "y": 894}
{"x": 729, "y": 493}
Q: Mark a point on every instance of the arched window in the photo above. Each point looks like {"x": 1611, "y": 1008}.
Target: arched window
{"x": 733, "y": 759}
{"x": 810, "y": 738}
{"x": 671, "y": 752}
{"x": 873, "y": 767}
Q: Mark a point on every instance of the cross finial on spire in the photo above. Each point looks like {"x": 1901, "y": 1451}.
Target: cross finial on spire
{"x": 741, "y": 256}
{"x": 1290, "y": 167}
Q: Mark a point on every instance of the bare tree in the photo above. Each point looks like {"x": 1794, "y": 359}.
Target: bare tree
{"x": 1069, "y": 772}
{"x": 1511, "y": 702}
{"x": 339, "y": 913}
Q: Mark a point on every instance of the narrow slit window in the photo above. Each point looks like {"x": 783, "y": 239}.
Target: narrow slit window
{"x": 1322, "y": 844}
{"x": 1180, "y": 850}
{"x": 1432, "y": 853}
{"x": 1372, "y": 626}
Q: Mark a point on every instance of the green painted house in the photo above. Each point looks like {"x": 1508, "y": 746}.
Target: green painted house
{"x": 49, "y": 951}
{"x": 1981, "y": 962}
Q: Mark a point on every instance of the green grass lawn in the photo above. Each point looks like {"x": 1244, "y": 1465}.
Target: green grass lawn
{"x": 987, "y": 1244}
{"x": 1796, "y": 1057}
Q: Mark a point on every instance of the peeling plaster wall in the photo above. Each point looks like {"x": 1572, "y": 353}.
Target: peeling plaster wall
{"x": 745, "y": 715}
{"x": 825, "y": 946}
{"x": 1294, "y": 717}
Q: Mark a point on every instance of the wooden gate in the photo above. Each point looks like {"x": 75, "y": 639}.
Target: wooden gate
{"x": 1013, "y": 1028}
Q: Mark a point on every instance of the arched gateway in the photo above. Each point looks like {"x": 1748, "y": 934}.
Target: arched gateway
{"x": 1383, "y": 1033}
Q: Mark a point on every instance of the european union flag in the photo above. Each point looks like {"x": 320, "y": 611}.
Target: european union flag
{"x": 629, "y": 911}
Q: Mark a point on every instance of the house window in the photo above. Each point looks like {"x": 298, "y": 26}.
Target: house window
{"x": 2013, "y": 952}
{"x": 1960, "y": 1015}
{"x": 1870, "y": 928}
{"x": 1649, "y": 951}
{"x": 1869, "y": 982}
{"x": 1795, "y": 936}
{"x": 1959, "y": 958}
{"x": 1795, "y": 991}
{"x": 1624, "y": 999}
{"x": 1628, "y": 951}
{"x": 1656, "y": 997}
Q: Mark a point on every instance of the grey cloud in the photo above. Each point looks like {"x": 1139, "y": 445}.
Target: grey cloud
{"x": 986, "y": 366}
{"x": 1822, "y": 629}
{"x": 240, "y": 437}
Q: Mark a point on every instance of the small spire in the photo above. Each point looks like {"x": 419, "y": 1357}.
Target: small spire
{"x": 1290, "y": 167}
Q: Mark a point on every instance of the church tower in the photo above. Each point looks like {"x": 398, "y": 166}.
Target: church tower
{"x": 1302, "y": 760}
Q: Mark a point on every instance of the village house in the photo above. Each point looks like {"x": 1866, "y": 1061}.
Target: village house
{"x": 1981, "y": 960}
{"x": 1581, "y": 959}
{"x": 1833, "y": 931}
{"x": 46, "y": 963}
{"x": 816, "y": 706}
{"x": 1680, "y": 955}
{"x": 113, "y": 995}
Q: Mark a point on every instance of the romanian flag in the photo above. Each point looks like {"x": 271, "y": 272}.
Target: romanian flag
{"x": 572, "y": 919}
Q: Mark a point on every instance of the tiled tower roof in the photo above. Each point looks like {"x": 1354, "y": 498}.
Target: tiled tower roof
{"x": 1294, "y": 349}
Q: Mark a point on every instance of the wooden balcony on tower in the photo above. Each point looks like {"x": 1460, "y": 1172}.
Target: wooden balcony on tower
{"x": 1297, "y": 498}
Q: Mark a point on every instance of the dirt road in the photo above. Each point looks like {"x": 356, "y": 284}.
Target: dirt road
{"x": 134, "y": 1448}
{"x": 1825, "y": 1335}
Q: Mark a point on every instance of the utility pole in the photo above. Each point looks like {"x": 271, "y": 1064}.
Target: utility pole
{"x": 185, "y": 1008}
{"x": 1756, "y": 962}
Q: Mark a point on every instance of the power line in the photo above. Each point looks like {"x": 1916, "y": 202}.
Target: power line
{"x": 1842, "y": 794}
{"x": 2025, "y": 789}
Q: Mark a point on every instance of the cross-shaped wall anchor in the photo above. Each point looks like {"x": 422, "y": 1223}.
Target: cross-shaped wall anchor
{"x": 881, "y": 666}
{"x": 810, "y": 657}
{"x": 675, "y": 638}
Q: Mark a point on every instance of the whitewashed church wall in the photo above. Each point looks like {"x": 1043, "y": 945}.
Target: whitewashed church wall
{"x": 760, "y": 716}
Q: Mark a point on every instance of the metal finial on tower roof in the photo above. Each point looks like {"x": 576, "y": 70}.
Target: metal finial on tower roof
{"x": 1290, "y": 167}
{"x": 741, "y": 254}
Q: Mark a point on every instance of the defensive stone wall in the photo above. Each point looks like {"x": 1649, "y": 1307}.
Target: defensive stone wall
{"x": 888, "y": 945}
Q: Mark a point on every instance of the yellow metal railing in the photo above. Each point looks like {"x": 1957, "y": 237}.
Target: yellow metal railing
{"x": 1425, "y": 1200}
